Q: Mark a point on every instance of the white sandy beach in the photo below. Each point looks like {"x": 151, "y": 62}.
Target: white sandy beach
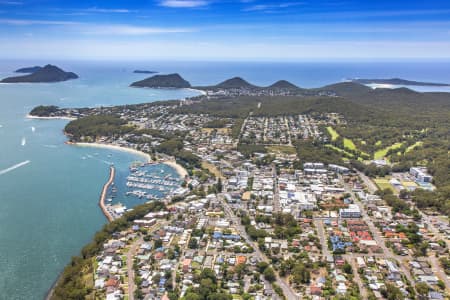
{"x": 178, "y": 168}
{"x": 115, "y": 147}
{"x": 49, "y": 118}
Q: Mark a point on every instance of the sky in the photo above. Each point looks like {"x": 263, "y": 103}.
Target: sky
{"x": 286, "y": 30}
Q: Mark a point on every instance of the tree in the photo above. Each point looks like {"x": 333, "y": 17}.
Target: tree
{"x": 391, "y": 292}
{"x": 193, "y": 243}
{"x": 347, "y": 268}
{"x": 261, "y": 266}
{"x": 422, "y": 289}
{"x": 219, "y": 185}
{"x": 269, "y": 274}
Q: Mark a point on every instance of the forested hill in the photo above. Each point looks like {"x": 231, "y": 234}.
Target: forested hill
{"x": 163, "y": 81}
{"x": 398, "y": 81}
{"x": 49, "y": 73}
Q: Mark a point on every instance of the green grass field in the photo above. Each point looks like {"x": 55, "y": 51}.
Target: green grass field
{"x": 340, "y": 150}
{"x": 382, "y": 153}
{"x": 333, "y": 133}
{"x": 282, "y": 149}
{"x": 412, "y": 147}
{"x": 383, "y": 183}
{"x": 349, "y": 144}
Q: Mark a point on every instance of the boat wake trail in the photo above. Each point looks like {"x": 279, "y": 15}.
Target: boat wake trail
{"x": 14, "y": 167}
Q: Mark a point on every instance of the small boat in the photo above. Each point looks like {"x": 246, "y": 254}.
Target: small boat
{"x": 109, "y": 199}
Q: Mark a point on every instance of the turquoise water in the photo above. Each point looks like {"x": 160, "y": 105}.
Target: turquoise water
{"x": 48, "y": 206}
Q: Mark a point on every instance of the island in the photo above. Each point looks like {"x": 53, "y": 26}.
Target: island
{"x": 28, "y": 69}
{"x": 49, "y": 73}
{"x": 144, "y": 72}
{"x": 398, "y": 81}
{"x": 163, "y": 81}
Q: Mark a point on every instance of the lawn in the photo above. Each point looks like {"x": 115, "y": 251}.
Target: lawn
{"x": 408, "y": 184}
{"x": 211, "y": 168}
{"x": 412, "y": 147}
{"x": 340, "y": 150}
{"x": 282, "y": 149}
{"x": 349, "y": 144}
{"x": 383, "y": 183}
{"x": 219, "y": 130}
{"x": 333, "y": 133}
{"x": 380, "y": 154}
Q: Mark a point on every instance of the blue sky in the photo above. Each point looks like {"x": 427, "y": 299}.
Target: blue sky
{"x": 286, "y": 30}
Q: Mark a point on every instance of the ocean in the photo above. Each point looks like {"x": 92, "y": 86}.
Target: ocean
{"x": 49, "y": 191}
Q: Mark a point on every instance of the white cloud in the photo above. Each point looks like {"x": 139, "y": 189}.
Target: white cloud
{"x": 108, "y": 10}
{"x": 183, "y": 3}
{"x": 11, "y": 3}
{"x": 24, "y": 22}
{"x": 129, "y": 30}
{"x": 263, "y": 7}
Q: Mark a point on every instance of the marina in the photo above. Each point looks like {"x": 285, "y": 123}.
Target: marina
{"x": 144, "y": 182}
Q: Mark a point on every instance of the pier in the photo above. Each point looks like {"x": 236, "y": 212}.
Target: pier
{"x": 112, "y": 172}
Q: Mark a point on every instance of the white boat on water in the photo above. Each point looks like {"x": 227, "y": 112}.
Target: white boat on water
{"x": 33, "y": 129}
{"x": 23, "y": 142}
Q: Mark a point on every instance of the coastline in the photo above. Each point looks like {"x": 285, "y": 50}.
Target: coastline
{"x": 173, "y": 164}
{"x": 180, "y": 169}
{"x": 28, "y": 116}
{"x": 199, "y": 91}
{"x": 144, "y": 155}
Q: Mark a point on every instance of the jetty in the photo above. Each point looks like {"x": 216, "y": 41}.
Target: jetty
{"x": 112, "y": 172}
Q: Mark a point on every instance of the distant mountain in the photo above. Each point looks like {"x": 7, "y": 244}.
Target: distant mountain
{"x": 49, "y": 73}
{"x": 346, "y": 88}
{"x": 284, "y": 85}
{"x": 163, "y": 81}
{"x": 235, "y": 83}
{"x": 28, "y": 69}
{"x": 144, "y": 72}
{"x": 398, "y": 81}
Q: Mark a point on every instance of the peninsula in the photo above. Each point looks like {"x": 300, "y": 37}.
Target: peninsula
{"x": 163, "y": 81}
{"x": 398, "y": 81}
{"x": 49, "y": 73}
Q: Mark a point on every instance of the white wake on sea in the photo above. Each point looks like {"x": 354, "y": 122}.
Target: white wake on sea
{"x": 7, "y": 170}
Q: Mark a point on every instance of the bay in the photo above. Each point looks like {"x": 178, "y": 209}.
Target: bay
{"x": 49, "y": 191}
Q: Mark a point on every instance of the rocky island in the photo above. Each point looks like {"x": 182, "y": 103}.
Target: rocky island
{"x": 49, "y": 73}
{"x": 28, "y": 69}
{"x": 163, "y": 81}
{"x": 144, "y": 72}
{"x": 398, "y": 81}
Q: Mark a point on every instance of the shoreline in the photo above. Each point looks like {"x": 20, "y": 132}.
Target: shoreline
{"x": 181, "y": 171}
{"x": 114, "y": 147}
{"x": 28, "y": 116}
{"x": 178, "y": 168}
